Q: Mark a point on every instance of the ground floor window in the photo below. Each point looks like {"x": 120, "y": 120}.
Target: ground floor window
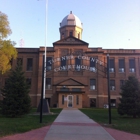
{"x": 92, "y": 102}
{"x": 112, "y": 84}
{"x": 48, "y": 83}
{"x": 49, "y": 101}
{"x": 113, "y": 103}
{"x": 62, "y": 99}
{"x": 92, "y": 84}
{"x": 77, "y": 99}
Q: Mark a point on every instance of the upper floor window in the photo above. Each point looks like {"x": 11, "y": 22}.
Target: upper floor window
{"x": 78, "y": 35}
{"x": 62, "y": 35}
{"x": 131, "y": 65}
{"x": 48, "y": 83}
{"x": 29, "y": 64}
{"x": 112, "y": 84}
{"x": 64, "y": 88}
{"x": 71, "y": 33}
{"x": 11, "y": 62}
{"x": 29, "y": 81}
{"x": 92, "y": 84}
{"x": 76, "y": 89}
{"x": 112, "y": 65}
{"x": 77, "y": 64}
{"x": 19, "y": 61}
{"x": 49, "y": 64}
{"x": 122, "y": 82}
{"x": 63, "y": 63}
{"x": 121, "y": 65}
{"x": 92, "y": 64}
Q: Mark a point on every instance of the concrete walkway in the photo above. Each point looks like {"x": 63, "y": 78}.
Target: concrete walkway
{"x": 72, "y": 124}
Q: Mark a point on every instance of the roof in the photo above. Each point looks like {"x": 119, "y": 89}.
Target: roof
{"x": 69, "y": 82}
{"x": 70, "y": 40}
{"x": 71, "y": 19}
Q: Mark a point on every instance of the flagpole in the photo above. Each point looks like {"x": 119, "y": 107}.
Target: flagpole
{"x": 46, "y": 12}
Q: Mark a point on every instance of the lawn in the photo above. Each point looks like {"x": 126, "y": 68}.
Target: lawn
{"x": 25, "y": 123}
{"x": 124, "y": 123}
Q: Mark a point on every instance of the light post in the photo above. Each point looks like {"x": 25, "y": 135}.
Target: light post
{"x": 45, "y": 60}
{"x": 108, "y": 79}
{"x": 43, "y": 105}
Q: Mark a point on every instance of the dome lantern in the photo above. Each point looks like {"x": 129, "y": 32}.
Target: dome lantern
{"x": 71, "y": 25}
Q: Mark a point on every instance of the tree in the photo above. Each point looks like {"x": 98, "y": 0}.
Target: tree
{"x": 130, "y": 101}
{"x": 16, "y": 100}
{"x": 7, "y": 50}
{"x": 4, "y": 26}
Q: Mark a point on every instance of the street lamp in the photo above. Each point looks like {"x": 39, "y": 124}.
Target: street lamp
{"x": 43, "y": 105}
{"x": 108, "y": 79}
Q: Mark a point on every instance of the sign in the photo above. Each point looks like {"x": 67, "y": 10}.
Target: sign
{"x": 77, "y": 67}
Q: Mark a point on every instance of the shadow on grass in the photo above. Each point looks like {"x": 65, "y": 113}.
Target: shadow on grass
{"x": 25, "y": 123}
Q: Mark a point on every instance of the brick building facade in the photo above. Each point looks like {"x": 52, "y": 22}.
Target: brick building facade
{"x": 76, "y": 74}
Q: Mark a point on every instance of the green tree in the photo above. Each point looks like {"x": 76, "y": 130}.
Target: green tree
{"x": 16, "y": 100}
{"x": 130, "y": 101}
{"x": 7, "y": 50}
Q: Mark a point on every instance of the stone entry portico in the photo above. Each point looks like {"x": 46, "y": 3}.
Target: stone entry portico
{"x": 70, "y": 93}
{"x": 68, "y": 100}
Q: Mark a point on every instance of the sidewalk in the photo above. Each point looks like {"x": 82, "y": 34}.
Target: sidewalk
{"x": 72, "y": 124}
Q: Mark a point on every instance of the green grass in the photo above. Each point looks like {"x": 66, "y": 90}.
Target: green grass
{"x": 25, "y": 123}
{"x": 123, "y": 123}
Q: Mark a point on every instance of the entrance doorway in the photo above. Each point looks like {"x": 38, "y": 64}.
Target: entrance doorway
{"x": 70, "y": 100}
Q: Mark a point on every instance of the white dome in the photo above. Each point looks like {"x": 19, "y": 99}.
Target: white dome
{"x": 71, "y": 19}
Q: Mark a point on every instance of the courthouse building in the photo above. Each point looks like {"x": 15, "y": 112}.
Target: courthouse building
{"x": 76, "y": 72}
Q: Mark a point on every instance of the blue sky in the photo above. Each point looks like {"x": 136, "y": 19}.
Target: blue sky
{"x": 110, "y": 24}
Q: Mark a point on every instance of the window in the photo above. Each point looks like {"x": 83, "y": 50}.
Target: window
{"x": 92, "y": 65}
{"x": 122, "y": 82}
{"x": 131, "y": 65}
{"x": 63, "y": 63}
{"x": 49, "y": 64}
{"x": 19, "y": 61}
{"x": 6, "y": 81}
{"x": 78, "y": 35}
{"x": 77, "y": 64}
{"x": 70, "y": 33}
{"x": 48, "y": 83}
{"x": 121, "y": 65}
{"x": 77, "y": 99}
{"x": 112, "y": 84}
{"x": 62, "y": 35}
{"x": 29, "y": 64}
{"x": 92, "y": 102}
{"x": 64, "y": 89}
{"x": 63, "y": 99}
{"x": 11, "y": 62}
{"x": 76, "y": 89}
{"x": 92, "y": 84}
{"x": 112, "y": 68}
{"x": 0, "y": 88}
{"x": 113, "y": 103}
{"x": 29, "y": 81}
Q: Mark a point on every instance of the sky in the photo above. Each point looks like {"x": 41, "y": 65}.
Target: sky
{"x": 110, "y": 24}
